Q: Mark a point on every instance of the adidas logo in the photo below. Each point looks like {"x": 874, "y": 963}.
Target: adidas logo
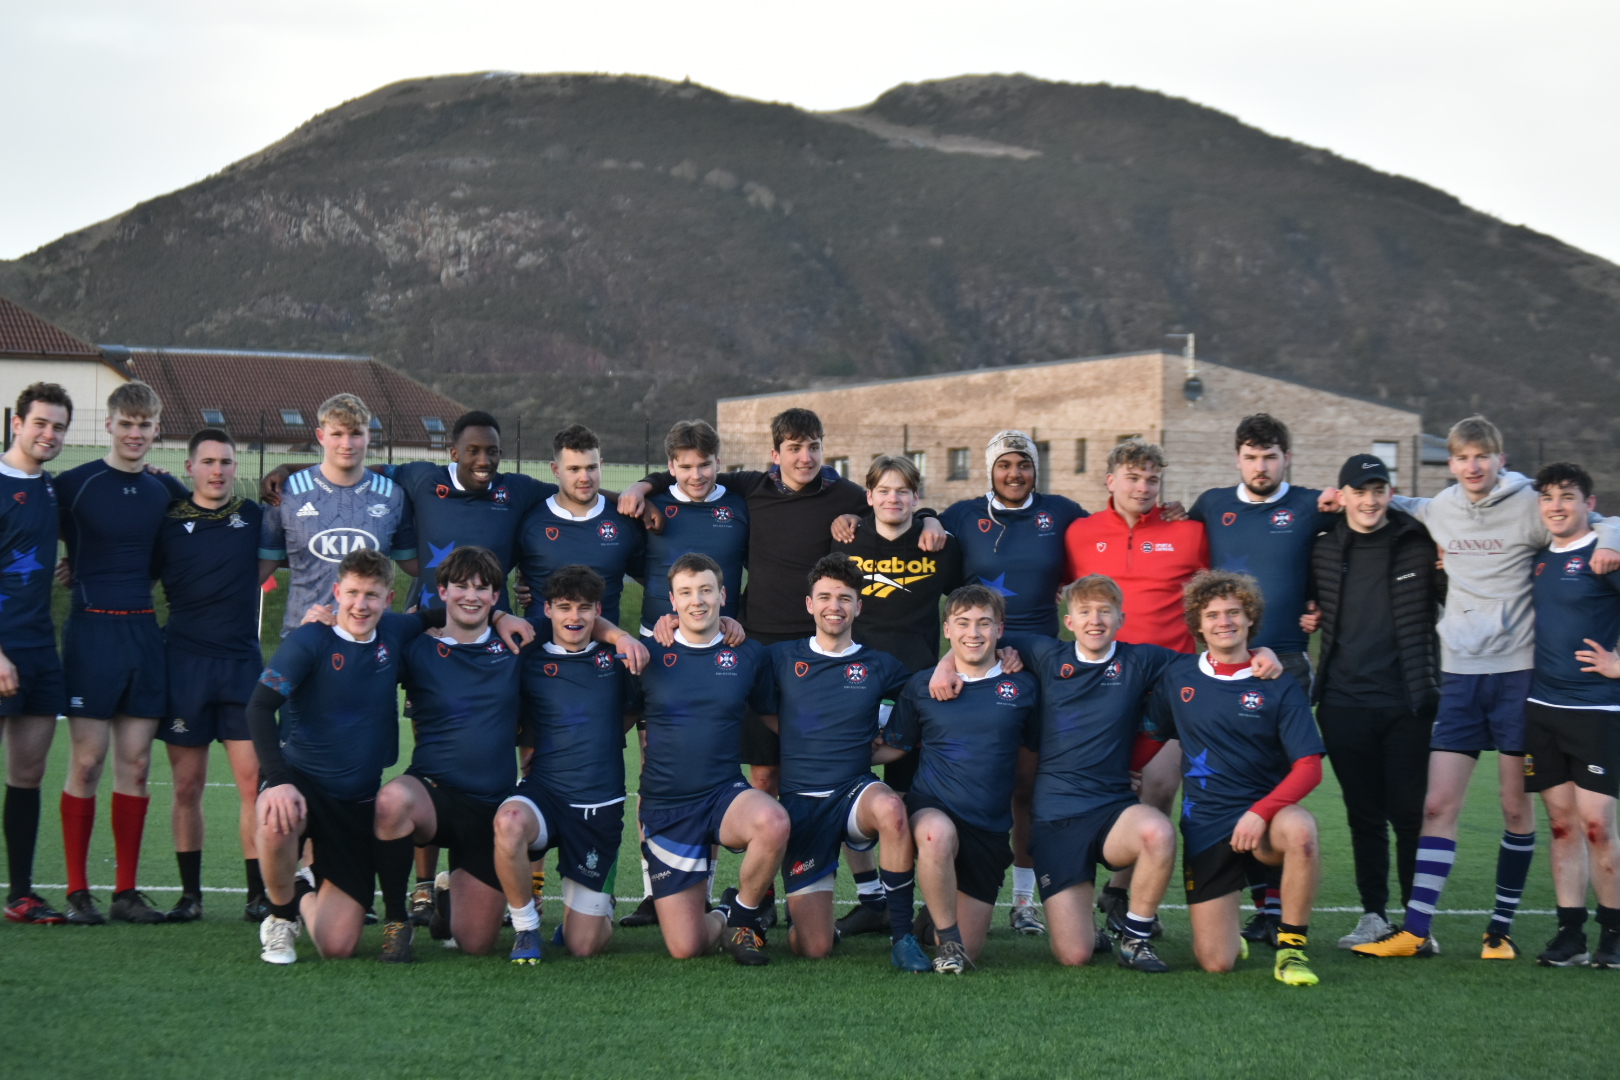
{"x": 308, "y": 510}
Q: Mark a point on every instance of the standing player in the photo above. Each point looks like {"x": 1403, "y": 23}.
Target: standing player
{"x": 830, "y": 693}
{"x": 960, "y": 802}
{"x": 111, "y": 513}
{"x": 575, "y": 697}
{"x": 333, "y": 508}
{"x": 1489, "y": 528}
{"x": 31, "y": 691}
{"x": 698, "y": 513}
{"x": 1249, "y": 755}
{"x": 695, "y": 693}
{"x": 207, "y": 559}
{"x": 1572, "y": 740}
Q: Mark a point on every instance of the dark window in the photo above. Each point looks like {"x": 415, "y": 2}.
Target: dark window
{"x": 213, "y": 417}
{"x": 292, "y": 418}
{"x": 1079, "y": 455}
{"x": 1043, "y": 466}
{"x": 959, "y": 463}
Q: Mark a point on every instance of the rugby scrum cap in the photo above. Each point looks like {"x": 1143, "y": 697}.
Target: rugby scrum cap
{"x": 1361, "y": 468}
{"x": 1011, "y": 441}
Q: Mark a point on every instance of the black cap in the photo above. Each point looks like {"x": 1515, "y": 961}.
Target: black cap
{"x": 1362, "y": 468}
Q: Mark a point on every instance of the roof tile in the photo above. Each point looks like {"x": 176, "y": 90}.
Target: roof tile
{"x": 22, "y": 333}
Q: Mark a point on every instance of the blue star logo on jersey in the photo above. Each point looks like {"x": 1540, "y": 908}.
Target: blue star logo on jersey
{"x": 997, "y": 585}
{"x": 1253, "y": 699}
{"x": 3, "y": 599}
{"x": 24, "y": 563}
{"x": 439, "y": 553}
{"x": 1199, "y": 769}
{"x": 1187, "y": 807}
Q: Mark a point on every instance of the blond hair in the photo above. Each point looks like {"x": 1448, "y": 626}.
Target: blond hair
{"x": 1137, "y": 452}
{"x": 135, "y": 399}
{"x": 1474, "y": 431}
{"x": 887, "y": 463}
{"x": 1093, "y": 587}
{"x": 344, "y": 411}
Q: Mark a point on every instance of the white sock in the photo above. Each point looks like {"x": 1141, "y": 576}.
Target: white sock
{"x": 1023, "y": 884}
{"x": 869, "y": 888}
{"x": 646, "y": 879}
{"x": 525, "y": 917}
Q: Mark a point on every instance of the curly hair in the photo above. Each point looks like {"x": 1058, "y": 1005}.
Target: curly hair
{"x": 1560, "y": 473}
{"x": 1210, "y": 585}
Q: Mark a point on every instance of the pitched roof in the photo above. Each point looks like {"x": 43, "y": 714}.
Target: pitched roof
{"x": 24, "y": 334}
{"x": 252, "y": 388}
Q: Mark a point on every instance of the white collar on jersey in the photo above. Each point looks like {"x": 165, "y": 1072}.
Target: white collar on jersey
{"x": 18, "y": 474}
{"x": 711, "y": 643}
{"x": 992, "y": 673}
{"x": 1204, "y": 666}
{"x": 601, "y": 505}
{"x": 1589, "y": 538}
{"x": 346, "y": 636}
{"x": 485, "y": 636}
{"x": 454, "y": 482}
{"x": 1245, "y": 495}
{"x": 1113, "y": 646}
{"x": 854, "y": 648}
{"x": 557, "y": 650}
{"x": 680, "y": 496}
{"x": 997, "y": 504}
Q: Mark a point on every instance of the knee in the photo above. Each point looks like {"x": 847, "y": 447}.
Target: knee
{"x": 510, "y": 831}
{"x": 773, "y": 827}
{"x": 1075, "y": 955}
{"x": 188, "y": 788}
{"x": 1159, "y": 838}
{"x": 1598, "y": 833}
{"x": 891, "y": 817}
{"x": 393, "y": 808}
{"x": 1217, "y": 965}
{"x": 1298, "y": 829}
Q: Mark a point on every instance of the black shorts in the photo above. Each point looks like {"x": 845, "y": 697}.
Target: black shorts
{"x": 899, "y": 774}
{"x": 343, "y": 834}
{"x": 208, "y": 697}
{"x": 40, "y": 689}
{"x": 1068, "y": 851}
{"x": 1579, "y": 746}
{"x": 586, "y": 835}
{"x": 114, "y": 666}
{"x": 982, "y": 855}
{"x": 1218, "y": 870}
{"x": 466, "y": 828}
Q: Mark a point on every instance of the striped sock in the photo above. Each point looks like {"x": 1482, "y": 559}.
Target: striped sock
{"x": 1435, "y": 857}
{"x": 1273, "y": 902}
{"x": 1138, "y": 926}
{"x": 869, "y": 889}
{"x": 1512, "y": 868}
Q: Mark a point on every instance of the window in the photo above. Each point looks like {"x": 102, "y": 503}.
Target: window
{"x": 1043, "y": 466}
{"x": 1079, "y": 455}
{"x": 841, "y": 464}
{"x": 213, "y": 417}
{"x": 433, "y": 424}
{"x": 959, "y": 463}
{"x": 919, "y": 458}
{"x": 739, "y": 468}
{"x": 1390, "y": 454}
{"x": 292, "y": 418}
{"x": 376, "y": 425}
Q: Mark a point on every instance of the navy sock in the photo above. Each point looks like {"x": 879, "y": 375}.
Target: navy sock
{"x": 190, "y": 872}
{"x": 1138, "y": 927}
{"x": 1512, "y": 869}
{"x": 948, "y": 933}
{"x": 22, "y": 834}
{"x": 899, "y": 892}
{"x": 868, "y": 889}
{"x": 1435, "y": 857}
{"x": 740, "y": 916}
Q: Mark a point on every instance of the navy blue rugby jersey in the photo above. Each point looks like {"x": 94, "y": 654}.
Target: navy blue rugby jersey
{"x": 969, "y": 745}
{"x": 574, "y": 706}
{"x": 1271, "y": 541}
{"x": 340, "y": 723}
{"x": 1090, "y": 713}
{"x": 464, "y": 711}
{"x": 448, "y": 516}
{"x": 827, "y": 707}
{"x": 693, "y": 699}
{"x": 717, "y": 528}
{"x": 1239, "y": 735}
{"x": 110, "y": 520}
{"x": 28, "y": 523}
{"x": 607, "y": 542}
{"x": 1573, "y": 604}
{"x": 1018, "y": 553}
{"x": 208, "y": 561}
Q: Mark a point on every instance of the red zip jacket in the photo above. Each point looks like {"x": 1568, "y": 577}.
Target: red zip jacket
{"x": 1151, "y": 563}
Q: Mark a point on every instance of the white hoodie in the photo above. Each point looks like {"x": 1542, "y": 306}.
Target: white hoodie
{"x": 1489, "y": 545}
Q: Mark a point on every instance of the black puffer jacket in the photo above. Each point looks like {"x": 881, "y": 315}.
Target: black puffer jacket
{"x": 1417, "y": 590}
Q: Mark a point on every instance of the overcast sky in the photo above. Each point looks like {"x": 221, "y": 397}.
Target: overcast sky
{"x": 1509, "y": 106}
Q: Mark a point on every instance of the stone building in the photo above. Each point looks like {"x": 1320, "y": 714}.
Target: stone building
{"x": 1076, "y": 410}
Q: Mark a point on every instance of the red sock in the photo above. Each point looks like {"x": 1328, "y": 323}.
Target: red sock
{"x": 129, "y": 822}
{"x": 78, "y": 818}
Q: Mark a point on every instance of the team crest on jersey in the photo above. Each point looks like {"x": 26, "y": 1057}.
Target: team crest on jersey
{"x": 382, "y": 653}
{"x": 236, "y": 522}
{"x": 725, "y": 659}
{"x": 670, "y": 658}
{"x": 495, "y": 648}
{"x": 444, "y": 649}
{"x": 550, "y": 670}
{"x": 442, "y": 491}
{"x": 21, "y": 497}
{"x": 855, "y": 673}
{"x": 337, "y": 661}
{"x": 1228, "y": 518}
{"x": 984, "y": 524}
{"x": 1575, "y": 565}
{"x": 722, "y": 513}
{"x": 607, "y": 531}
{"x": 592, "y": 859}
{"x": 378, "y": 510}
{"x": 1187, "y": 693}
{"x": 604, "y": 660}
{"x": 552, "y": 532}
{"x": 1147, "y": 547}
{"x": 501, "y": 495}
{"x": 1540, "y": 566}
{"x": 1112, "y": 670}
{"x": 801, "y": 668}
{"x": 1043, "y": 521}
{"x": 671, "y": 511}
{"x": 1102, "y": 545}
{"x": 190, "y": 526}
{"x": 1253, "y": 699}
{"x": 1007, "y": 691}
{"x": 1066, "y": 671}
{"x": 1282, "y": 518}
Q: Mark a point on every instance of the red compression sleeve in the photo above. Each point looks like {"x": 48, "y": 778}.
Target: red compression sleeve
{"x": 1144, "y": 750}
{"x": 1300, "y": 782}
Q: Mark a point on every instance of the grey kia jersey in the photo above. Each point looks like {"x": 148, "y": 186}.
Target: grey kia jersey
{"x": 319, "y": 522}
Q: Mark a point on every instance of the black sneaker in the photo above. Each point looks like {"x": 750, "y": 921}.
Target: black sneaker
{"x": 745, "y": 944}
{"x": 134, "y": 906}
{"x": 1138, "y": 955}
{"x": 1263, "y": 927}
{"x": 257, "y": 909}
{"x": 1113, "y": 906}
{"x": 646, "y": 914}
{"x": 767, "y": 912}
{"x": 82, "y": 910}
{"x": 1567, "y": 949}
{"x": 1607, "y": 955}
{"x": 396, "y": 946}
{"x": 1103, "y": 945}
{"x": 861, "y": 919}
{"x": 187, "y": 909}
{"x": 922, "y": 928}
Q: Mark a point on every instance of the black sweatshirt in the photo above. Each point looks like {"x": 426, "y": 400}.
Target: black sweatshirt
{"x": 900, "y": 604}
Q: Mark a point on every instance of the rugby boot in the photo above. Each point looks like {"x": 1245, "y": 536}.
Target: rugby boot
{"x": 906, "y": 955}
{"x": 1113, "y": 907}
{"x": 1263, "y": 928}
{"x": 1400, "y": 943}
{"x": 526, "y": 947}
{"x": 1138, "y": 955}
{"x": 557, "y": 937}
{"x": 396, "y": 946}
{"x": 371, "y": 916}
{"x": 922, "y": 928}
{"x": 646, "y": 914}
{"x": 82, "y": 910}
{"x": 1566, "y": 949}
{"x": 1498, "y": 947}
{"x": 767, "y": 910}
{"x": 278, "y": 939}
{"x": 952, "y": 959}
{"x": 1103, "y": 945}
{"x": 1292, "y": 969}
{"x": 256, "y": 909}
{"x": 421, "y": 903}
{"x": 32, "y": 908}
{"x": 1370, "y": 927}
{"x": 1607, "y": 955}
{"x": 862, "y": 919}
{"x": 1022, "y": 919}
{"x": 745, "y": 944}
{"x": 134, "y": 906}
{"x": 189, "y": 908}
{"x": 439, "y": 921}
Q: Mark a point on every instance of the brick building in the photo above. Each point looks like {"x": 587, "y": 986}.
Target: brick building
{"x": 1076, "y": 410}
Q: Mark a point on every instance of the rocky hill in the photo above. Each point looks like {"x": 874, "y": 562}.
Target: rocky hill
{"x": 624, "y": 250}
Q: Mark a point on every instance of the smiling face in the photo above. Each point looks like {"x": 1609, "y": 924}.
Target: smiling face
{"x": 1012, "y": 478}
{"x": 132, "y": 436}
{"x": 1224, "y": 626}
{"x": 1566, "y": 512}
{"x": 833, "y": 605}
{"x": 344, "y": 447}
{"x": 697, "y": 599}
{"x": 477, "y": 456}
{"x": 1262, "y": 468}
{"x": 973, "y": 633}
{"x": 694, "y": 473}
{"x": 579, "y": 474}
{"x": 1135, "y": 487}
{"x": 468, "y": 604}
{"x": 1476, "y": 470}
{"x": 361, "y": 602}
{"x": 1366, "y": 508}
{"x": 1095, "y": 621}
{"x": 572, "y": 621}
{"x": 892, "y": 499}
{"x": 41, "y": 432}
{"x": 800, "y": 459}
{"x": 212, "y": 468}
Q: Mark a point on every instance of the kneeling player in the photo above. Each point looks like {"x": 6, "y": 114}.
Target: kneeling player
{"x": 696, "y": 692}
{"x": 961, "y": 799}
{"x": 830, "y": 694}
{"x": 1249, "y": 754}
{"x": 574, "y": 698}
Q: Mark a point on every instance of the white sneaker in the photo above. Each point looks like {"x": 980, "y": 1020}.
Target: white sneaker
{"x": 1369, "y": 929}
{"x": 279, "y": 938}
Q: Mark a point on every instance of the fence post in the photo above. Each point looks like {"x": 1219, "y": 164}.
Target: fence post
{"x": 390, "y": 438}
{"x": 646, "y": 448}
{"x": 8, "y": 427}
{"x": 520, "y": 444}
{"x": 261, "y": 444}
